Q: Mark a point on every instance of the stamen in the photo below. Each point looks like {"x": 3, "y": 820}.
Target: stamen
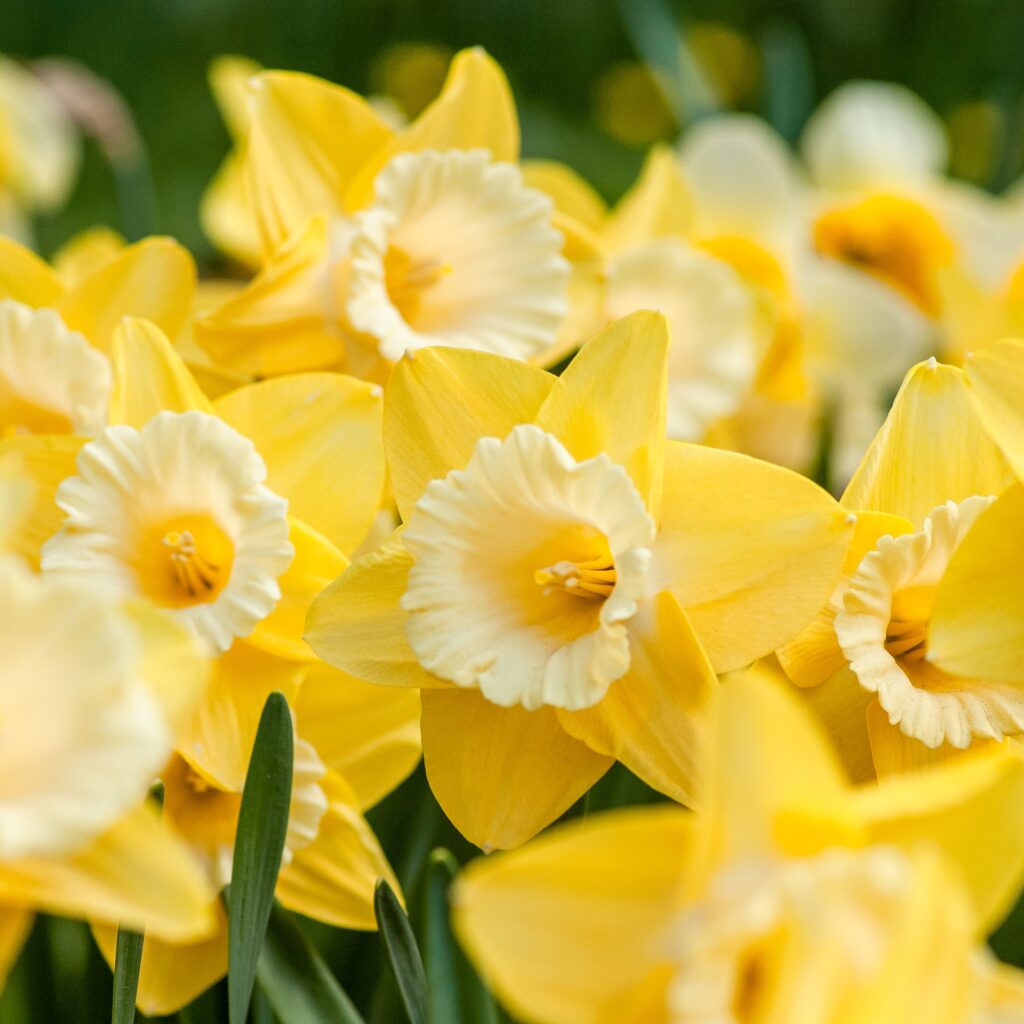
{"x": 906, "y": 640}
{"x": 194, "y": 574}
{"x": 594, "y": 579}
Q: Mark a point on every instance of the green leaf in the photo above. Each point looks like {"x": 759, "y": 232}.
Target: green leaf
{"x": 296, "y": 981}
{"x": 403, "y": 956}
{"x": 259, "y": 843}
{"x": 438, "y": 943}
{"x": 127, "y": 961}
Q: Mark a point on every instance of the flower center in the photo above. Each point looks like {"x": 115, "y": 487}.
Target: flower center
{"x": 185, "y": 561}
{"x": 892, "y": 238}
{"x": 406, "y": 279}
{"x": 593, "y": 579}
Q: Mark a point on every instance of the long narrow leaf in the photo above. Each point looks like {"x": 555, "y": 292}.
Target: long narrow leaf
{"x": 403, "y": 955}
{"x": 259, "y": 843}
{"x": 296, "y": 981}
{"x": 438, "y": 942}
{"x": 127, "y": 961}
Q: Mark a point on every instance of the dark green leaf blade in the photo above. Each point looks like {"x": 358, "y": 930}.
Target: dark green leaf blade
{"x": 259, "y": 843}
{"x": 403, "y": 955}
{"x": 296, "y": 981}
{"x": 438, "y": 943}
{"x": 127, "y": 962}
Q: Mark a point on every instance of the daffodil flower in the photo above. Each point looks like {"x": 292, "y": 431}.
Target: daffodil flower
{"x": 377, "y": 241}
{"x": 792, "y": 896}
{"x": 889, "y": 696}
{"x": 93, "y": 694}
{"x": 57, "y": 325}
{"x": 567, "y": 581}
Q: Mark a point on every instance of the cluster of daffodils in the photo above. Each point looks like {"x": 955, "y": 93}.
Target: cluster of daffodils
{"x": 351, "y": 477}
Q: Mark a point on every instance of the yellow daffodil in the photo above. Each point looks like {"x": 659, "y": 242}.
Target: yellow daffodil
{"x": 225, "y": 213}
{"x": 567, "y": 581}
{"x": 93, "y": 693}
{"x": 792, "y": 896}
{"x": 926, "y": 480}
{"x": 377, "y": 241}
{"x": 56, "y": 326}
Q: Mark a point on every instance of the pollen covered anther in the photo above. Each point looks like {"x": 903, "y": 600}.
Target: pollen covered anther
{"x": 593, "y": 579}
{"x": 194, "y": 573}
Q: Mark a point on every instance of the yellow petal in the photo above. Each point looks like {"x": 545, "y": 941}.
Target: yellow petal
{"x": 153, "y": 279}
{"x": 149, "y": 376}
{"x": 776, "y": 783}
{"x": 932, "y": 427}
{"x": 218, "y": 740}
{"x": 369, "y": 734}
{"x": 502, "y": 774}
{"x": 229, "y": 77}
{"x": 25, "y": 277}
{"x": 173, "y": 664}
{"x": 893, "y": 752}
{"x": 307, "y": 140}
{"x": 813, "y": 655}
{"x": 573, "y": 924}
{"x": 611, "y": 399}
{"x": 656, "y": 718}
{"x": 279, "y": 322}
{"x": 47, "y": 461}
{"x": 973, "y": 807}
{"x": 79, "y": 257}
{"x": 171, "y": 976}
{"x": 440, "y": 401}
{"x": 333, "y": 878}
{"x": 227, "y": 216}
{"x": 841, "y": 704}
{"x": 136, "y": 873}
{"x": 303, "y": 424}
{"x": 357, "y": 624}
{"x": 15, "y": 924}
{"x": 976, "y": 628}
{"x": 571, "y": 194}
{"x": 316, "y": 563}
{"x": 751, "y": 550}
{"x": 475, "y": 110}
{"x": 995, "y": 384}
{"x": 658, "y": 205}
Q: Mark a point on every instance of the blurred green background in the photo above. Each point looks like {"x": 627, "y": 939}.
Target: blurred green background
{"x": 581, "y": 73}
{"x": 572, "y": 63}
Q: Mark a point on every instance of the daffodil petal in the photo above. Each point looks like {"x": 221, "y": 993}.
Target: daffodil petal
{"x": 537, "y": 921}
{"x": 656, "y": 719}
{"x": 226, "y": 215}
{"x": 776, "y": 782}
{"x": 611, "y": 398}
{"x": 307, "y": 140}
{"x": 79, "y": 257}
{"x": 333, "y": 878}
{"x": 893, "y": 752}
{"x": 316, "y": 563}
{"x": 976, "y": 628}
{"x": 25, "y": 277}
{"x": 154, "y": 279}
{"x": 502, "y": 774}
{"x": 995, "y": 384}
{"x": 218, "y": 740}
{"x": 358, "y": 625}
{"x": 136, "y": 874}
{"x": 172, "y": 976}
{"x": 369, "y": 734}
{"x": 814, "y": 655}
{"x": 149, "y": 376}
{"x": 659, "y": 205}
{"x": 475, "y": 110}
{"x": 972, "y": 805}
{"x": 750, "y": 572}
{"x": 229, "y": 77}
{"x": 279, "y": 323}
{"x": 571, "y": 194}
{"x": 841, "y": 704}
{"x": 302, "y": 423}
{"x": 931, "y": 427}
{"x": 440, "y": 401}
{"x": 47, "y": 461}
